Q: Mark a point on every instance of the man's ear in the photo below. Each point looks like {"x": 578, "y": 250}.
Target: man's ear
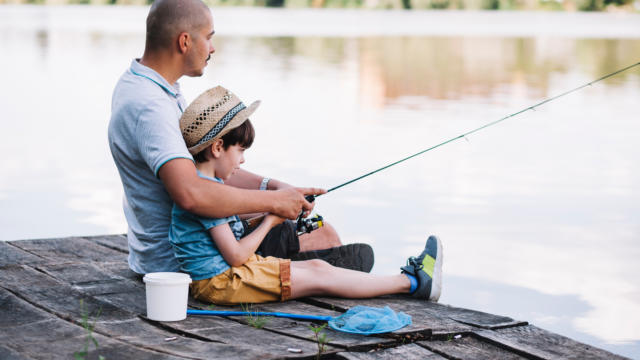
{"x": 216, "y": 148}
{"x": 184, "y": 42}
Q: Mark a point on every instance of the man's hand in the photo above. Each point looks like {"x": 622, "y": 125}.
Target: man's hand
{"x": 290, "y": 201}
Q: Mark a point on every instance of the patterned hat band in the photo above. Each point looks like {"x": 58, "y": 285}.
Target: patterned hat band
{"x": 221, "y": 124}
{"x": 212, "y": 114}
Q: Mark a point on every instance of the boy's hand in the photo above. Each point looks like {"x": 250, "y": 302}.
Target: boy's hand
{"x": 274, "y": 220}
{"x": 291, "y": 201}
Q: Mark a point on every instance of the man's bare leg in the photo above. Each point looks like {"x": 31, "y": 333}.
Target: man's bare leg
{"x": 322, "y": 238}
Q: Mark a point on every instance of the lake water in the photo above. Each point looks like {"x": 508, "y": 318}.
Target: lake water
{"x": 540, "y": 215}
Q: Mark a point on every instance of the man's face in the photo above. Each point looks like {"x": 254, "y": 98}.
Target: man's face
{"x": 200, "y": 52}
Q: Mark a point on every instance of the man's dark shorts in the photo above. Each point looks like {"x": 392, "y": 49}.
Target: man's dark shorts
{"x": 281, "y": 241}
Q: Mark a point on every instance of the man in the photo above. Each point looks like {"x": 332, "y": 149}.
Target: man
{"x": 156, "y": 169}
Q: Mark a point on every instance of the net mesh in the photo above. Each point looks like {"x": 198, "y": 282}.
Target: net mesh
{"x": 367, "y": 320}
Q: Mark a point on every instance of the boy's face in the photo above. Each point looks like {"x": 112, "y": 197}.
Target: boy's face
{"x": 229, "y": 162}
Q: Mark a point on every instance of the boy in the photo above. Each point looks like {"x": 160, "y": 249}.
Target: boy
{"x": 219, "y": 254}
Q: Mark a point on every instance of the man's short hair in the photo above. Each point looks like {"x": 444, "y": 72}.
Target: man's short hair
{"x": 168, "y": 18}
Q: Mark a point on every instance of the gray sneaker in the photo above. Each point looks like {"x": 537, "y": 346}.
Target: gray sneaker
{"x": 353, "y": 256}
{"x": 427, "y": 268}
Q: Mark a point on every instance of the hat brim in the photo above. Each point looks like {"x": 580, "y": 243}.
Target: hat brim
{"x": 237, "y": 120}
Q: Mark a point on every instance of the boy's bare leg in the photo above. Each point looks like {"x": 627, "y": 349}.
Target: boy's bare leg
{"x": 317, "y": 277}
{"x": 322, "y": 238}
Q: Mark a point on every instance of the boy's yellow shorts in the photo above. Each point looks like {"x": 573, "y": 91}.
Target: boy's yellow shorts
{"x": 260, "y": 279}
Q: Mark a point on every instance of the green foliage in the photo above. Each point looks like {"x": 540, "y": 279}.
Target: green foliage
{"x": 439, "y": 4}
{"x": 339, "y": 4}
{"x": 320, "y": 336}
{"x": 590, "y": 5}
{"x": 256, "y": 321}
{"x": 274, "y": 3}
{"x": 88, "y": 327}
{"x": 551, "y": 5}
{"x": 618, "y": 2}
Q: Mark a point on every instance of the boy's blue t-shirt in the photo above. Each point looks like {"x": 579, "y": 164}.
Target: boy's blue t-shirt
{"x": 194, "y": 248}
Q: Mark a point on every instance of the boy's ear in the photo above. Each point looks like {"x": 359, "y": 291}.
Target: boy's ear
{"x": 216, "y": 148}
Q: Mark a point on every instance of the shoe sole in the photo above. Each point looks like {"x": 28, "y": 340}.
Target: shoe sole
{"x": 436, "y": 283}
{"x": 357, "y": 257}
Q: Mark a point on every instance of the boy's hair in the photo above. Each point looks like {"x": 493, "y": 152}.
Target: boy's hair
{"x": 242, "y": 135}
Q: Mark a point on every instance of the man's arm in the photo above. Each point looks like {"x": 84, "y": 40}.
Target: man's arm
{"x": 247, "y": 180}
{"x": 211, "y": 199}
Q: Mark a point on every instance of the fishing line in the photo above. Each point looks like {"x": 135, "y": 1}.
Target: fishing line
{"x": 532, "y": 107}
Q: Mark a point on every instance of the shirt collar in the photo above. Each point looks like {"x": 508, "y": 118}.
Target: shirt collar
{"x": 216, "y": 179}
{"x": 150, "y": 74}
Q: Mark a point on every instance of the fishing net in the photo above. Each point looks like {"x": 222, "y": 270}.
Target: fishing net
{"x": 367, "y": 320}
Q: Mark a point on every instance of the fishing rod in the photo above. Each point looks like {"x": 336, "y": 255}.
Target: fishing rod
{"x": 311, "y": 198}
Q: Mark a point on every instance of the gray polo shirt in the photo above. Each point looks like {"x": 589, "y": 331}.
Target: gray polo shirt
{"x": 143, "y": 135}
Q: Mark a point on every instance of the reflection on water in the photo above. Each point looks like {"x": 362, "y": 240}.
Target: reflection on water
{"x": 539, "y": 215}
{"x": 455, "y": 67}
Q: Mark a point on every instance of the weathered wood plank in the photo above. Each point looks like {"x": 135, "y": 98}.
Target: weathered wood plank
{"x": 103, "y": 281}
{"x": 29, "y": 332}
{"x": 110, "y": 349}
{"x": 463, "y": 316}
{"x": 155, "y": 335}
{"x": 15, "y": 311}
{"x": 478, "y": 318}
{"x": 121, "y": 269}
{"x": 300, "y": 329}
{"x": 542, "y": 344}
{"x": 87, "y": 278}
{"x": 134, "y": 301}
{"x": 428, "y": 318}
{"x": 468, "y": 347}
{"x": 76, "y": 249}
{"x": 12, "y": 255}
{"x": 58, "y": 339}
{"x": 405, "y": 352}
{"x": 126, "y": 295}
{"x": 228, "y": 331}
{"x": 116, "y": 242}
{"x": 7, "y": 353}
{"x": 57, "y": 297}
{"x": 60, "y": 300}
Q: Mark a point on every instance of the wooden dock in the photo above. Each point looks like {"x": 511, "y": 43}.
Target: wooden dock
{"x": 42, "y": 283}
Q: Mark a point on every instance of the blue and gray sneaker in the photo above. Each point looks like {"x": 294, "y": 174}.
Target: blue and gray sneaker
{"x": 427, "y": 269}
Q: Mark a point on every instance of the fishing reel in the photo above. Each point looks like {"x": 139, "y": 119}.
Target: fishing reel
{"x": 305, "y": 226}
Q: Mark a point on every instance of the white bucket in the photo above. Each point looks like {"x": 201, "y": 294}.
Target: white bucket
{"x": 167, "y": 294}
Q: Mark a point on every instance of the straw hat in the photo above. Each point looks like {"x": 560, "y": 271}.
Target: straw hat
{"x": 211, "y": 115}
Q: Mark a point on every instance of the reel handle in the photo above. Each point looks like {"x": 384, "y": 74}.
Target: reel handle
{"x": 304, "y": 226}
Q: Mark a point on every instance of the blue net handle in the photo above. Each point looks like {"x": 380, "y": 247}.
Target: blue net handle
{"x": 258, "y": 313}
